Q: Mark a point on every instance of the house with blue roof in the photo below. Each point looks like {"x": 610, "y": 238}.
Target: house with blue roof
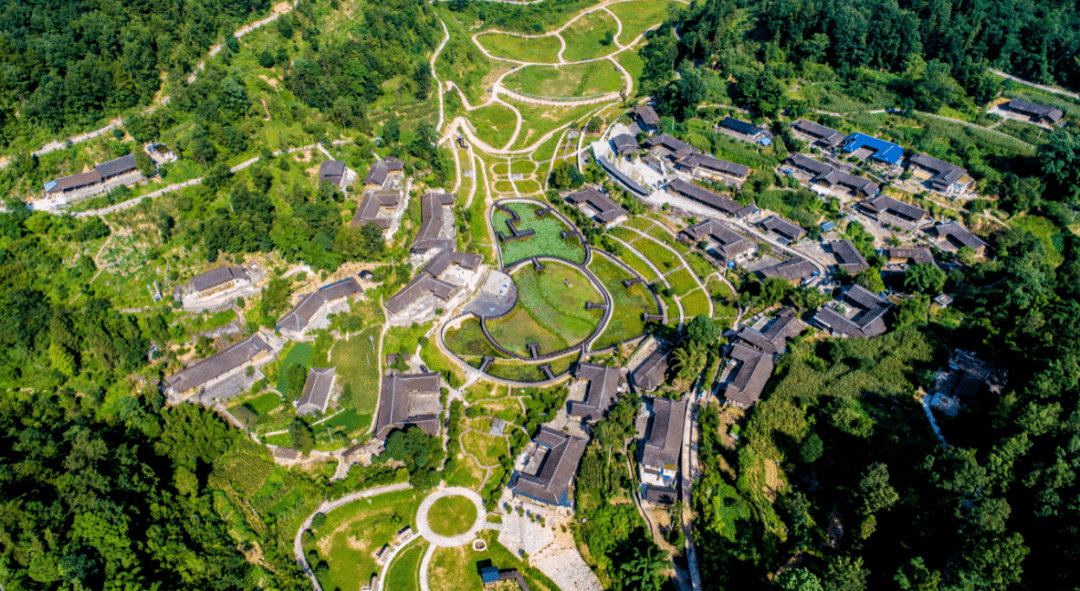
{"x": 880, "y": 150}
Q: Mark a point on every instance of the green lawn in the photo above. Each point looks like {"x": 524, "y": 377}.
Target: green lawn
{"x": 630, "y": 304}
{"x": 682, "y": 282}
{"x": 700, "y": 264}
{"x": 358, "y": 364}
{"x": 539, "y": 50}
{"x": 625, "y": 234}
{"x": 469, "y": 341}
{"x": 404, "y": 573}
{"x": 353, "y": 533}
{"x": 487, "y": 448}
{"x": 719, "y": 289}
{"x": 546, "y": 241}
{"x": 638, "y": 264}
{"x": 538, "y": 120}
{"x": 264, "y": 404}
{"x": 696, "y": 303}
{"x": 550, "y": 310}
{"x": 523, "y": 166}
{"x": 638, "y": 16}
{"x": 299, "y": 354}
{"x": 634, "y": 65}
{"x": 527, "y": 372}
{"x": 458, "y": 569}
{"x": 452, "y": 516}
{"x": 641, "y": 223}
{"x": 575, "y": 80}
{"x": 584, "y": 38}
{"x": 494, "y": 124}
{"x": 664, "y": 259}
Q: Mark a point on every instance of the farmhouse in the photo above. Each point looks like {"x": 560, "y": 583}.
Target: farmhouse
{"x": 435, "y": 231}
{"x": 600, "y": 394}
{"x": 647, "y": 118}
{"x": 884, "y": 208}
{"x": 723, "y": 243}
{"x": 744, "y": 130}
{"x": 747, "y": 381}
{"x": 909, "y": 256}
{"x": 217, "y": 367}
{"x": 663, "y": 442}
{"x": 384, "y": 174}
{"x": 848, "y": 257}
{"x": 665, "y": 146}
{"x": 952, "y": 236}
{"x": 625, "y": 144}
{"x": 552, "y": 461}
{"x": 710, "y": 199}
{"x": 336, "y": 173}
{"x": 317, "y": 391}
{"x": 937, "y": 175}
{"x": 650, "y": 374}
{"x": 101, "y": 173}
{"x": 599, "y": 206}
{"x": 376, "y": 208}
{"x": 857, "y": 313}
{"x": 787, "y": 231}
{"x": 796, "y": 269}
{"x": 864, "y": 146}
{"x": 823, "y": 175}
{"x": 408, "y": 399}
{"x": 773, "y": 337}
{"x": 967, "y": 375}
{"x": 313, "y": 305}
{"x": 816, "y": 134}
{"x": 220, "y": 280}
{"x": 715, "y": 168}
{"x": 1034, "y": 112}
{"x": 436, "y": 286}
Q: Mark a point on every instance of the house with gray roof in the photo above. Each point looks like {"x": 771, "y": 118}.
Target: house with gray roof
{"x": 599, "y": 206}
{"x": 409, "y": 399}
{"x": 552, "y": 459}
{"x": 101, "y": 173}
{"x": 937, "y": 175}
{"x": 710, "y": 199}
{"x": 317, "y": 391}
{"x": 1034, "y": 112}
{"x": 377, "y": 207}
{"x": 600, "y": 394}
{"x": 747, "y": 380}
{"x": 434, "y": 222}
{"x": 952, "y": 236}
{"x": 625, "y": 144}
{"x": 744, "y": 130}
{"x": 651, "y": 373}
{"x": 910, "y": 255}
{"x": 118, "y": 167}
{"x": 662, "y": 496}
{"x": 435, "y": 285}
{"x": 297, "y": 321}
{"x": 663, "y": 442}
{"x": 848, "y": 257}
{"x": 219, "y": 280}
{"x": 336, "y": 173}
{"x": 795, "y": 269}
{"x": 223, "y": 364}
{"x": 819, "y": 135}
{"x": 773, "y": 337}
{"x": 647, "y": 118}
{"x": 858, "y": 313}
{"x": 788, "y": 231}
{"x": 714, "y": 168}
{"x": 721, "y": 242}
{"x": 825, "y": 176}
{"x": 666, "y": 146}
{"x": 384, "y": 174}
{"x": 883, "y": 207}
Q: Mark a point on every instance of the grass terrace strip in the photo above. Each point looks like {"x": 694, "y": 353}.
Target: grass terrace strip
{"x": 682, "y": 282}
{"x": 630, "y": 303}
{"x": 521, "y": 49}
{"x": 696, "y": 303}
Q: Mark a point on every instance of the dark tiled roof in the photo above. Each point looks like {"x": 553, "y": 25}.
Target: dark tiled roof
{"x": 868, "y": 320}
{"x": 624, "y": 144}
{"x": 394, "y": 403}
{"x": 607, "y": 210}
{"x": 368, "y": 212}
{"x": 848, "y": 257}
{"x": 826, "y": 174}
{"x": 332, "y": 170}
{"x": 792, "y": 270}
{"x": 116, "y": 167}
{"x": 428, "y": 282}
{"x": 218, "y": 276}
{"x": 750, "y": 377}
{"x": 774, "y": 339}
{"x": 958, "y": 235}
{"x": 647, "y": 115}
{"x": 779, "y": 225}
{"x": 918, "y": 255}
{"x": 619, "y": 176}
{"x": 743, "y": 127}
{"x": 967, "y": 375}
{"x": 431, "y": 219}
{"x": 660, "y": 495}
{"x": 75, "y": 181}
{"x": 886, "y": 204}
{"x": 601, "y": 392}
{"x": 1052, "y": 113}
{"x": 381, "y": 169}
{"x": 825, "y": 135}
{"x": 945, "y": 173}
{"x": 551, "y": 481}
{"x": 650, "y": 374}
{"x": 715, "y": 164}
{"x": 730, "y": 244}
{"x": 664, "y": 440}
{"x": 672, "y": 144}
{"x": 317, "y": 389}
{"x": 218, "y": 364}
{"x": 708, "y": 198}
{"x": 300, "y": 316}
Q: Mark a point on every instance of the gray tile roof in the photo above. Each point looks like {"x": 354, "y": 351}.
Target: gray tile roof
{"x": 332, "y": 170}
{"x": 715, "y": 164}
{"x": 647, "y": 115}
{"x": 729, "y": 243}
{"x": 664, "y": 439}
{"x": 381, "y": 169}
{"x": 671, "y": 144}
{"x": 607, "y": 210}
{"x": 601, "y": 392}
{"x": 826, "y": 174}
{"x": 774, "y": 339}
{"x": 218, "y": 364}
{"x": 75, "y": 181}
{"x": 117, "y": 167}
{"x": 792, "y": 270}
{"x": 868, "y": 320}
{"x": 750, "y": 377}
{"x": 945, "y": 173}
{"x": 368, "y": 212}
{"x": 317, "y": 390}
{"x": 783, "y": 227}
{"x": 427, "y": 280}
{"x": 1027, "y": 107}
{"x": 848, "y": 257}
{"x": 958, "y": 235}
{"x": 650, "y": 374}
{"x": 552, "y": 480}
{"x": 660, "y": 495}
{"x": 625, "y": 144}
{"x": 710, "y": 199}
{"x": 885, "y": 204}
{"x": 825, "y": 135}
{"x": 300, "y": 316}
{"x": 394, "y": 403}
{"x": 215, "y": 277}
{"x": 431, "y": 219}
{"x": 919, "y": 255}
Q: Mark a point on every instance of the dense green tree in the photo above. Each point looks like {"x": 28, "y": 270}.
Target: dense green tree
{"x": 924, "y": 278}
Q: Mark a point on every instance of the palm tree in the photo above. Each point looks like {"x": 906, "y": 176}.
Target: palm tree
{"x": 688, "y": 360}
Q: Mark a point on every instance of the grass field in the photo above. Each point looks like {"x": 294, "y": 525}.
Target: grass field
{"x": 575, "y": 80}
{"x": 682, "y": 282}
{"x": 1046, "y": 231}
{"x": 299, "y": 354}
{"x": 358, "y": 364}
{"x": 699, "y": 264}
{"x": 354, "y": 532}
{"x": 719, "y": 289}
{"x": 640, "y": 223}
{"x": 458, "y": 569}
{"x": 494, "y": 124}
{"x": 638, "y": 16}
{"x": 523, "y": 167}
{"x": 469, "y": 341}
{"x": 625, "y": 234}
{"x": 550, "y": 310}
{"x": 546, "y": 241}
{"x": 539, "y": 50}
{"x": 696, "y": 303}
{"x": 489, "y": 450}
{"x": 634, "y": 65}
{"x": 586, "y": 37}
{"x": 1032, "y": 134}
{"x": 404, "y": 573}
{"x": 541, "y": 119}
{"x": 630, "y": 304}
{"x": 466, "y": 473}
{"x": 452, "y": 516}
{"x": 638, "y": 264}
{"x": 664, "y": 259}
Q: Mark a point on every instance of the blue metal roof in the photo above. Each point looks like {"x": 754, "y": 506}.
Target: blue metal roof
{"x": 489, "y": 574}
{"x": 883, "y": 150}
{"x": 828, "y": 226}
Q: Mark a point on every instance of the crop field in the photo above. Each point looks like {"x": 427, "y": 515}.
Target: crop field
{"x": 550, "y": 310}
{"x": 696, "y": 303}
{"x": 664, "y": 259}
{"x": 587, "y": 37}
{"x": 630, "y": 303}
{"x": 404, "y": 573}
{"x": 546, "y": 241}
{"x": 469, "y": 341}
{"x": 682, "y": 282}
{"x": 574, "y": 80}
{"x": 522, "y": 49}
{"x": 638, "y": 264}
{"x": 299, "y": 354}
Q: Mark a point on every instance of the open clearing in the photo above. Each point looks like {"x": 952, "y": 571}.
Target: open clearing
{"x": 586, "y": 37}
{"x": 630, "y": 303}
{"x": 575, "y": 80}
{"x": 638, "y": 16}
{"x": 522, "y": 49}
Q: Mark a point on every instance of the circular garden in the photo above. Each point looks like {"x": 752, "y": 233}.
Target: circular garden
{"x": 452, "y": 516}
